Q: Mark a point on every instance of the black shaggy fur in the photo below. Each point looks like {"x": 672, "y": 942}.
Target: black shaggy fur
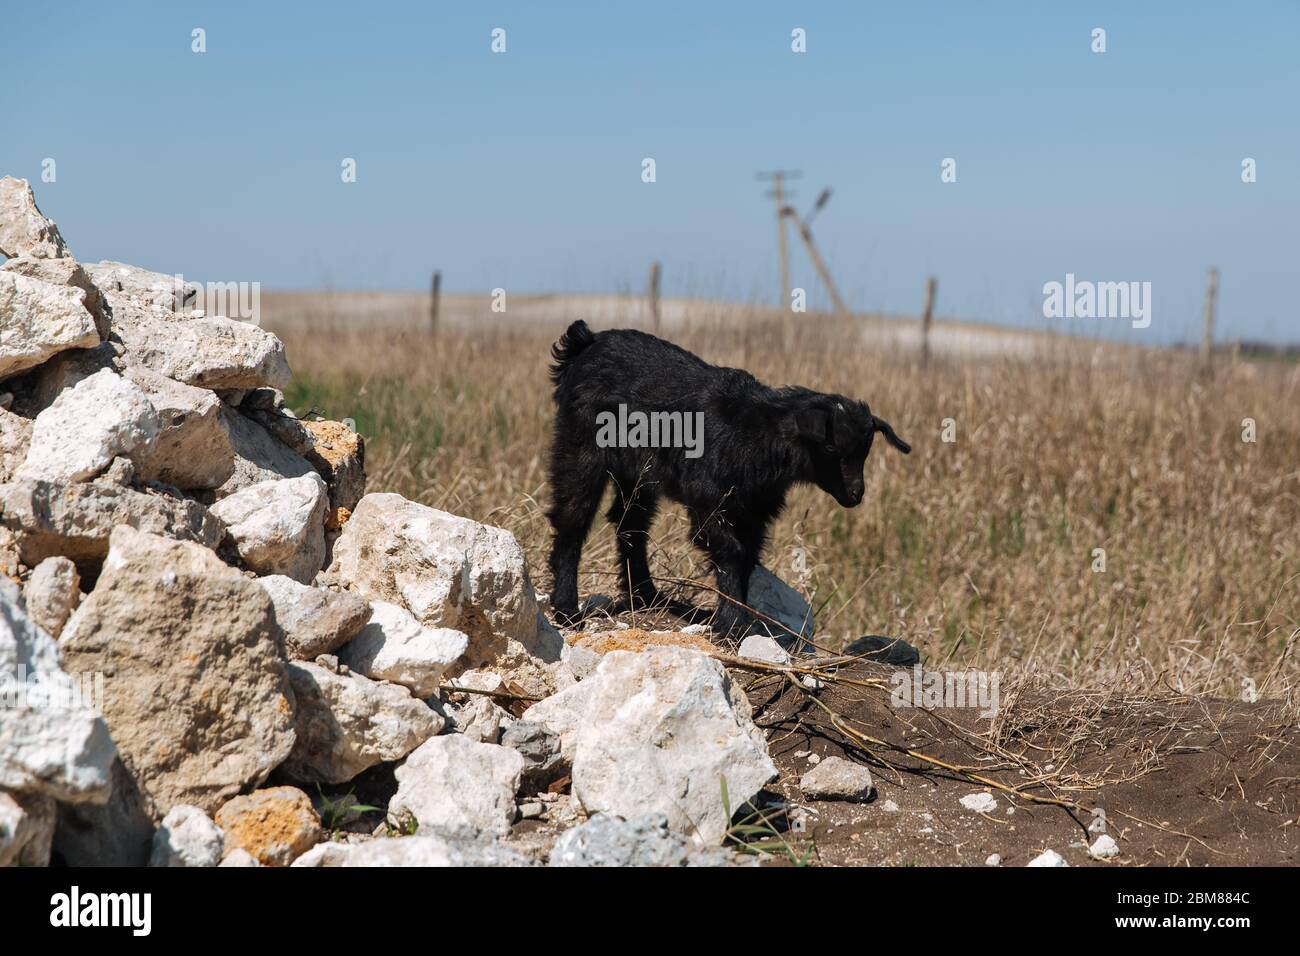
{"x": 758, "y": 442}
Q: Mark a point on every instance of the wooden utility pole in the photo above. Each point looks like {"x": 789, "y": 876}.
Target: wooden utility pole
{"x": 927, "y": 318}
{"x": 1207, "y": 334}
{"x": 778, "y": 192}
{"x": 653, "y": 293}
{"x": 433, "y": 306}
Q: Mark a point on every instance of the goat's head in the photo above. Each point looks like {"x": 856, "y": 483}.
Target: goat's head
{"x": 838, "y": 433}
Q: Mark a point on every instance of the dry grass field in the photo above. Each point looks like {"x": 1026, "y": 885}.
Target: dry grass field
{"x": 979, "y": 550}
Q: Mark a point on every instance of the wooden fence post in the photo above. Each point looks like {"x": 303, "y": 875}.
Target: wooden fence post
{"x": 1207, "y": 334}
{"x": 655, "y": 274}
{"x": 927, "y": 318}
{"x": 433, "y": 307}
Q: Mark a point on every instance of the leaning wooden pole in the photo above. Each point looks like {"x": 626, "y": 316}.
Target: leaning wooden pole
{"x": 806, "y": 234}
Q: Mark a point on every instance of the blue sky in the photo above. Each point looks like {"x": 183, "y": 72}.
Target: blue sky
{"x": 522, "y": 170}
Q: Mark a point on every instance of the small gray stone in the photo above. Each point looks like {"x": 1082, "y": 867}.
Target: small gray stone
{"x": 52, "y": 593}
{"x": 187, "y": 837}
{"x": 540, "y": 749}
{"x": 837, "y": 779}
{"x": 760, "y": 647}
{"x": 1103, "y": 848}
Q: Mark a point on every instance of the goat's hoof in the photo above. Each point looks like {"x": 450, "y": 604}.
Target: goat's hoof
{"x": 566, "y": 618}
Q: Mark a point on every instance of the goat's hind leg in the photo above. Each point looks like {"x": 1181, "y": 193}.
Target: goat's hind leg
{"x": 577, "y": 483}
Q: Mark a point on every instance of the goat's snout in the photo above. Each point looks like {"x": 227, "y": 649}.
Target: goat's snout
{"x": 851, "y": 496}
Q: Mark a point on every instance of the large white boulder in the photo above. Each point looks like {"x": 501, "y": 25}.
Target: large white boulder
{"x": 195, "y": 691}
{"x": 121, "y": 282}
{"x": 23, "y": 230}
{"x": 456, "y": 782}
{"x": 193, "y": 450}
{"x": 278, "y": 526}
{"x": 208, "y": 352}
{"x": 87, "y": 426}
{"x": 65, "y": 272}
{"x": 658, "y": 731}
{"x": 38, "y": 320}
{"x": 448, "y": 571}
{"x": 395, "y": 647}
{"x": 52, "y": 742}
{"x": 347, "y": 723}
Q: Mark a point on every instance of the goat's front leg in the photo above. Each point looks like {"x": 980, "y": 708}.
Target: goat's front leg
{"x": 631, "y": 520}
{"x": 733, "y": 560}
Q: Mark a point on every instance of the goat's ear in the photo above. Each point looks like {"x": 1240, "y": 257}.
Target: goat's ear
{"x": 887, "y": 430}
{"x": 811, "y": 424}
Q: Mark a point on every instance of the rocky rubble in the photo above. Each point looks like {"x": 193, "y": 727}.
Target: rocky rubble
{"x": 658, "y": 731}
{"x": 252, "y": 627}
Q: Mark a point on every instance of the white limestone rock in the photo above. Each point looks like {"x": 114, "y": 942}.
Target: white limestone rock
{"x": 453, "y": 781}
{"x": 656, "y": 731}
{"x": 347, "y": 723}
{"x": 87, "y": 426}
{"x": 195, "y": 691}
{"x": 1048, "y": 858}
{"x": 23, "y": 230}
{"x": 448, "y": 572}
{"x": 187, "y": 837}
{"x": 395, "y": 647}
{"x": 75, "y": 520}
{"x": 194, "y": 450}
{"x": 278, "y": 527}
{"x": 52, "y": 742}
{"x": 38, "y": 320}
{"x": 315, "y": 621}
{"x": 760, "y": 647}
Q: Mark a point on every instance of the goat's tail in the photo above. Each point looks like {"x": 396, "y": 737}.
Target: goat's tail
{"x": 571, "y": 344}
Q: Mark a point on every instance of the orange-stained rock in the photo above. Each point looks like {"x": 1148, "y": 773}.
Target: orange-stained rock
{"x": 275, "y": 826}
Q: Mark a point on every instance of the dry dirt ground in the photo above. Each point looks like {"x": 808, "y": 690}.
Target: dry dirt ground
{"x": 1181, "y": 781}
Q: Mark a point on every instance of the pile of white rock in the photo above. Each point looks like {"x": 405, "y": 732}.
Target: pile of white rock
{"x": 204, "y": 619}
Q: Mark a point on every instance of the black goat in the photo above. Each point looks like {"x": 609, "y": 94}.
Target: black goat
{"x": 756, "y": 443}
